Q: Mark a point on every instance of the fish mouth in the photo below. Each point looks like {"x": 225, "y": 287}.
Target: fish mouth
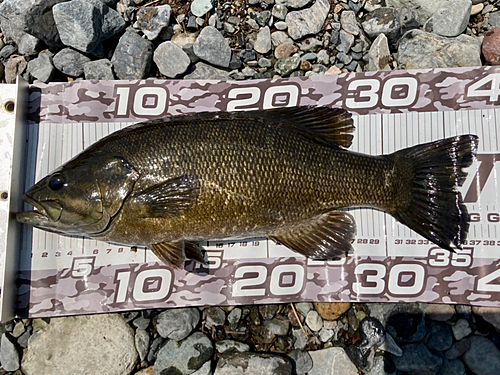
{"x": 46, "y": 211}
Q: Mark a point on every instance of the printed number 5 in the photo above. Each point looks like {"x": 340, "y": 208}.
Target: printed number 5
{"x": 82, "y": 267}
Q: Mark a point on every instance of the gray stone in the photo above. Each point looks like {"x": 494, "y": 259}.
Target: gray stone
{"x": 268, "y": 311}
{"x": 42, "y": 67}
{"x": 205, "y": 71}
{"x": 9, "y": 357}
{"x": 70, "y": 62}
{"x": 142, "y": 343}
{"x": 171, "y": 60}
{"x": 494, "y": 20}
{"x": 205, "y": 369}
{"x": 300, "y": 338}
{"x": 280, "y": 37}
{"x": 310, "y": 44}
{"x": 441, "y": 338}
{"x": 490, "y": 314}
{"x": 234, "y": 318}
{"x": 483, "y": 357}
{"x": 132, "y": 56}
{"x": 307, "y": 21}
{"x": 153, "y": 20}
{"x": 379, "y": 55}
{"x": 253, "y": 24}
{"x": 210, "y": 46}
{"x": 231, "y": 347}
{"x": 253, "y": 363}
{"x": 452, "y": 18}
{"x": 390, "y": 346}
{"x": 215, "y": 316}
{"x": 314, "y": 321}
{"x": 228, "y": 28}
{"x": 325, "y": 334}
{"x": 349, "y": 22}
{"x": 12, "y": 20}
{"x": 421, "y": 50}
{"x": 461, "y": 329}
{"x": 184, "y": 357}
{"x": 84, "y": 24}
{"x": 425, "y": 8}
{"x": 99, "y": 69}
{"x": 108, "y": 347}
{"x": 408, "y": 19}
{"x": 310, "y": 56}
{"x": 287, "y": 65}
{"x": 458, "y": 348}
{"x": 277, "y": 326}
{"x": 177, "y": 324}
{"x": 7, "y": 51}
{"x": 29, "y": 45}
{"x": 323, "y": 57}
{"x": 19, "y": 329}
{"x": 14, "y": 66}
{"x": 454, "y": 367}
{"x": 439, "y": 312}
{"x": 23, "y": 339}
{"x": 383, "y": 21}
{"x": 418, "y": 360}
{"x": 281, "y": 25}
{"x": 279, "y": 11}
{"x": 263, "y": 41}
{"x": 297, "y": 3}
{"x": 301, "y": 361}
{"x": 346, "y": 42}
{"x": 332, "y": 361}
{"x": 378, "y": 367}
{"x": 201, "y": 7}
{"x": 265, "y": 63}
{"x": 141, "y": 322}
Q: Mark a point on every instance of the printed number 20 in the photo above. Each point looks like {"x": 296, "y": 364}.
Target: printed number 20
{"x": 247, "y": 104}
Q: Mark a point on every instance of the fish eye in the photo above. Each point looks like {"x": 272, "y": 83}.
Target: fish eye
{"x": 56, "y": 182}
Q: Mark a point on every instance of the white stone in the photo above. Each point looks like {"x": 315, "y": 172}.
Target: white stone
{"x": 332, "y": 361}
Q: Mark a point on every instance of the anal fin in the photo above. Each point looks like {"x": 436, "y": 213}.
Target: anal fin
{"x": 174, "y": 253}
{"x": 327, "y": 236}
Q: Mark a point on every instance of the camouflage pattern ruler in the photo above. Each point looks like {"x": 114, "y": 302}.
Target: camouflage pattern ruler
{"x": 62, "y": 275}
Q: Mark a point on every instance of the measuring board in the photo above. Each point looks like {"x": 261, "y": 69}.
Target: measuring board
{"x": 61, "y": 275}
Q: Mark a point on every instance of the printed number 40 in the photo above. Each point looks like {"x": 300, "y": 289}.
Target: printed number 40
{"x": 477, "y": 89}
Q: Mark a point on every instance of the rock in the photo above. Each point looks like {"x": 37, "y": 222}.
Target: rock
{"x": 132, "y": 56}
{"x": 476, "y": 9}
{"x": 201, "y": 7}
{"x": 99, "y": 69}
{"x": 9, "y": 357}
{"x": 348, "y": 22}
{"x": 300, "y": 338}
{"x": 109, "y": 347}
{"x": 451, "y": 19}
{"x": 346, "y": 42}
{"x": 461, "y": 329}
{"x": 14, "y": 66}
{"x": 310, "y": 44}
{"x": 184, "y": 357}
{"x": 142, "y": 343}
{"x": 205, "y": 71}
{"x": 390, "y": 346}
{"x": 418, "y": 360}
{"x": 287, "y": 65}
{"x": 171, "y": 60}
{"x": 408, "y": 19}
{"x": 234, "y": 318}
{"x": 314, "y": 321}
{"x": 331, "y": 361}
{"x": 29, "y": 45}
{"x": 215, "y": 317}
{"x": 325, "y": 334}
{"x": 70, "y": 62}
{"x": 490, "y": 314}
{"x": 279, "y": 11}
{"x": 12, "y": 21}
{"x": 205, "y": 369}
{"x": 19, "y": 329}
{"x": 494, "y": 20}
{"x": 285, "y": 50}
{"x": 379, "y": 55}
{"x": 458, "y": 348}
{"x": 146, "y": 371}
{"x": 439, "y": 312}
{"x": 280, "y": 37}
{"x": 265, "y": 63}
{"x": 421, "y": 50}
{"x": 297, "y": 3}
{"x": 454, "y": 367}
{"x": 153, "y": 20}
{"x": 383, "y": 21}
{"x": 333, "y": 70}
{"x": 7, "y": 51}
{"x": 84, "y": 24}
{"x": 491, "y": 46}
{"x": 425, "y": 8}
{"x": 406, "y": 323}
{"x": 277, "y": 326}
{"x": 372, "y": 333}
{"x": 42, "y": 67}
{"x": 323, "y": 57}
{"x": 210, "y": 46}
{"x": 301, "y": 361}
{"x": 263, "y": 41}
{"x": 253, "y": 363}
{"x": 177, "y": 324}
{"x": 331, "y": 310}
{"x": 141, "y": 322}
{"x": 231, "y": 347}
{"x": 441, "y": 338}
{"x": 483, "y": 357}
{"x": 307, "y": 21}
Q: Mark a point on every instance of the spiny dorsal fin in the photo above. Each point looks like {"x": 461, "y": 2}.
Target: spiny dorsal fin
{"x": 174, "y": 253}
{"x": 171, "y": 197}
{"x": 327, "y": 236}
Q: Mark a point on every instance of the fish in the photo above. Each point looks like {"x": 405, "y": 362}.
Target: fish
{"x": 283, "y": 173}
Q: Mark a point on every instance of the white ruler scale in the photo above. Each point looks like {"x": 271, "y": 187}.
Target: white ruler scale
{"x": 63, "y": 275}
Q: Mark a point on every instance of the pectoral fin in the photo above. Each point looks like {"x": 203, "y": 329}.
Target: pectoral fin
{"x": 168, "y": 198}
{"x": 174, "y": 253}
{"x": 327, "y": 236}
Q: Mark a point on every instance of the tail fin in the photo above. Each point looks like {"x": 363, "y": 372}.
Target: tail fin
{"x": 436, "y": 209}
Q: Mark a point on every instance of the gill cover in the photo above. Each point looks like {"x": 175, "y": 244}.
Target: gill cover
{"x": 82, "y": 196}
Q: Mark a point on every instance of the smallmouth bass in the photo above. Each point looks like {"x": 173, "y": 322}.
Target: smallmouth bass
{"x": 282, "y": 173}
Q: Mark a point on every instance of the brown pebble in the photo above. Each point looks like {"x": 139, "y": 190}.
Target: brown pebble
{"x": 305, "y": 65}
{"x": 146, "y": 371}
{"x": 333, "y": 70}
{"x": 331, "y": 310}
{"x": 285, "y": 50}
{"x": 491, "y": 46}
